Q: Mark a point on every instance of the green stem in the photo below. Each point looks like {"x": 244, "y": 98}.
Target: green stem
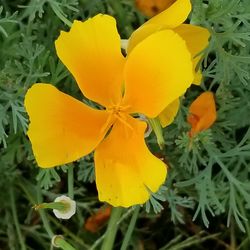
{"x": 130, "y": 229}
{"x": 123, "y": 217}
{"x": 14, "y": 214}
{"x": 232, "y": 236}
{"x": 157, "y": 128}
{"x": 61, "y": 243}
{"x": 112, "y": 229}
{"x": 67, "y": 232}
{"x": 42, "y": 213}
{"x": 71, "y": 182}
{"x": 52, "y": 205}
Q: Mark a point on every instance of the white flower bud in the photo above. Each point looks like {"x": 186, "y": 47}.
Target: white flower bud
{"x": 70, "y": 209}
{"x": 53, "y": 240}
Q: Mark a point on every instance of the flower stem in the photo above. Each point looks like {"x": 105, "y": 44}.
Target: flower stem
{"x": 67, "y": 232}
{"x": 14, "y": 214}
{"x": 157, "y": 128}
{"x": 122, "y": 218}
{"x": 42, "y": 213}
{"x": 61, "y": 243}
{"x": 71, "y": 182}
{"x": 52, "y": 205}
{"x": 112, "y": 229}
{"x": 130, "y": 229}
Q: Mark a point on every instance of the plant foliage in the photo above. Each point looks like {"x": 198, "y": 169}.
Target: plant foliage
{"x": 208, "y": 179}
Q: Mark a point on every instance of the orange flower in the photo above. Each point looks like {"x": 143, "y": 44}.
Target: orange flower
{"x": 153, "y": 7}
{"x": 202, "y": 113}
{"x": 96, "y": 221}
{"x": 62, "y": 129}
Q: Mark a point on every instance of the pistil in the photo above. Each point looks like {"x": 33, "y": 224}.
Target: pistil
{"x": 117, "y": 112}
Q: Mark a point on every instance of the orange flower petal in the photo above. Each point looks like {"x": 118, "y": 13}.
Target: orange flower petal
{"x": 170, "y": 18}
{"x": 157, "y": 72}
{"x": 197, "y": 40}
{"x": 91, "y": 51}
{"x": 62, "y": 129}
{"x": 124, "y": 166}
{"x": 202, "y": 113}
{"x": 153, "y": 7}
{"x": 96, "y": 221}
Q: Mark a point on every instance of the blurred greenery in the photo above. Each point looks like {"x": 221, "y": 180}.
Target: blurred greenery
{"x": 205, "y": 202}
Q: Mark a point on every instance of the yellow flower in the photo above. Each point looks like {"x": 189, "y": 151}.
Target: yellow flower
{"x": 196, "y": 39}
{"x": 202, "y": 113}
{"x": 62, "y": 129}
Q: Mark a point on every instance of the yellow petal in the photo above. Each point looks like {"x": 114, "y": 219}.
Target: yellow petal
{"x": 168, "y": 114}
{"x": 62, "y": 129}
{"x": 202, "y": 112}
{"x": 170, "y": 18}
{"x": 157, "y": 72}
{"x": 125, "y": 168}
{"x": 197, "y": 40}
{"x": 176, "y": 14}
{"x": 91, "y": 51}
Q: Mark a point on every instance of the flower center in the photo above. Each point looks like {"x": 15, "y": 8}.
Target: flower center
{"x": 117, "y": 110}
{"x": 117, "y": 113}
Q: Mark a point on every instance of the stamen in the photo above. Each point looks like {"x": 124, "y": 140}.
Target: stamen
{"x": 124, "y": 122}
{"x": 116, "y": 112}
{"x": 108, "y": 123}
{"x": 123, "y": 108}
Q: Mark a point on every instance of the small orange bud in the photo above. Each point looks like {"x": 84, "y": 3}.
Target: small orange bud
{"x": 96, "y": 221}
{"x": 153, "y": 7}
{"x": 202, "y": 113}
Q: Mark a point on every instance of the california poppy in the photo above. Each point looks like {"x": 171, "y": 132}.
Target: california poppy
{"x": 202, "y": 113}
{"x": 172, "y": 17}
{"x": 63, "y": 129}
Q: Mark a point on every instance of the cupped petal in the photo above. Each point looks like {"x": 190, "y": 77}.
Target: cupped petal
{"x": 91, "y": 51}
{"x": 173, "y": 16}
{"x": 62, "y": 129}
{"x": 197, "y": 40}
{"x": 168, "y": 114}
{"x": 125, "y": 169}
{"x": 157, "y": 72}
{"x": 202, "y": 112}
{"x": 170, "y": 18}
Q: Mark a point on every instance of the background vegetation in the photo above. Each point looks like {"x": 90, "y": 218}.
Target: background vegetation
{"x": 206, "y": 199}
